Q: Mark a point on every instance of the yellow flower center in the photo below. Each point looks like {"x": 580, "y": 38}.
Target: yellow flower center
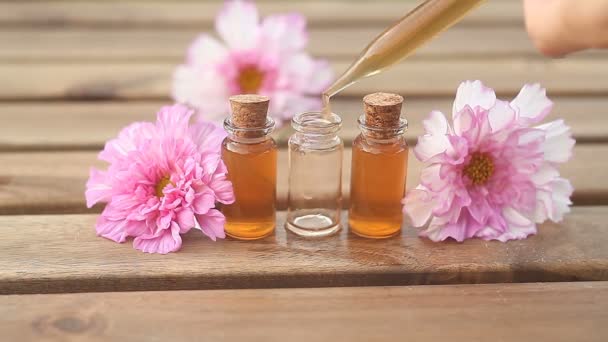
{"x": 479, "y": 169}
{"x": 160, "y": 186}
{"x": 250, "y": 80}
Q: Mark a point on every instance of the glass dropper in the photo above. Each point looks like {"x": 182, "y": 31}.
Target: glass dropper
{"x": 400, "y": 40}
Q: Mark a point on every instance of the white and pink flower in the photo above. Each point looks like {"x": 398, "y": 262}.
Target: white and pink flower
{"x": 264, "y": 57}
{"x": 491, "y": 174}
{"x": 163, "y": 180}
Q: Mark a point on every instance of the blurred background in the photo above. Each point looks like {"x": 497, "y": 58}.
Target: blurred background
{"x": 72, "y": 73}
{"x": 58, "y": 55}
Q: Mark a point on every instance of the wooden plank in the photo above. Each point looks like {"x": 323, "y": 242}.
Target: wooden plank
{"x": 584, "y": 114}
{"x": 43, "y": 44}
{"x": 44, "y": 182}
{"x": 61, "y": 253}
{"x": 526, "y": 312}
{"x": 68, "y": 125}
{"x": 201, "y": 14}
{"x": 22, "y": 81}
{"x": 54, "y": 182}
{"x": 86, "y": 125}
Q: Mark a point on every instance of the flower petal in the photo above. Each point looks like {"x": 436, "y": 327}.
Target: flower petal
{"x": 532, "y": 104}
{"x": 289, "y": 103}
{"x": 206, "y": 51}
{"x": 518, "y": 226}
{"x": 212, "y": 224}
{"x": 322, "y": 76}
{"x": 206, "y": 89}
{"x": 495, "y": 227}
{"x": 136, "y": 228}
{"x": 284, "y": 33}
{"x": 435, "y": 141}
{"x": 98, "y": 188}
{"x": 430, "y": 178}
{"x": 211, "y": 163}
{"x": 558, "y": 143}
{"x": 223, "y": 190}
{"x": 173, "y": 120}
{"x": 455, "y": 149}
{"x": 553, "y": 200}
{"x": 129, "y": 139}
{"x": 113, "y": 230}
{"x": 561, "y": 191}
{"x": 440, "y": 229}
{"x": 473, "y": 94}
{"x": 418, "y": 205}
{"x": 436, "y": 124}
{"x": 434, "y": 229}
{"x": 164, "y": 220}
{"x": 500, "y": 116}
{"x": 185, "y": 220}
{"x": 207, "y": 135}
{"x": 529, "y": 137}
{"x": 237, "y": 23}
{"x": 464, "y": 121}
{"x": 203, "y": 201}
{"x": 545, "y": 174}
{"x": 168, "y": 240}
{"x": 303, "y": 75}
{"x": 480, "y": 209}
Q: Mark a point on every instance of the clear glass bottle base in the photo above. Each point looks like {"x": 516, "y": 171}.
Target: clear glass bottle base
{"x": 312, "y": 225}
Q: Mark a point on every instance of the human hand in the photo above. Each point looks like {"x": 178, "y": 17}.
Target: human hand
{"x": 559, "y": 27}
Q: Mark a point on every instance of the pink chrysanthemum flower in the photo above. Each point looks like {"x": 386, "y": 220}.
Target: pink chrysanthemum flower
{"x": 163, "y": 180}
{"x": 491, "y": 175}
{"x": 266, "y": 58}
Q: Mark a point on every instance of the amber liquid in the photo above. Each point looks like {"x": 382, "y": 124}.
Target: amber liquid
{"x": 402, "y": 39}
{"x": 377, "y": 188}
{"x": 252, "y": 168}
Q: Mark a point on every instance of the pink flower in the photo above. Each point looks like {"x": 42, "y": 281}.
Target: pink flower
{"x": 491, "y": 175}
{"x": 266, "y": 58}
{"x": 162, "y": 181}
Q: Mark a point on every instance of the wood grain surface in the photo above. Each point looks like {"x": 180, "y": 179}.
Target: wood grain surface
{"x": 458, "y": 313}
{"x": 63, "y": 45}
{"x": 200, "y": 14}
{"x": 54, "y": 182}
{"x": 41, "y": 126}
{"x": 152, "y": 80}
{"x": 59, "y": 59}
{"x": 62, "y": 254}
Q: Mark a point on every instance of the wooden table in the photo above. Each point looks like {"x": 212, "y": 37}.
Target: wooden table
{"x": 73, "y": 73}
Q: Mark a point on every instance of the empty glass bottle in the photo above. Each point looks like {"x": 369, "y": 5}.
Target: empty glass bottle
{"x": 315, "y": 175}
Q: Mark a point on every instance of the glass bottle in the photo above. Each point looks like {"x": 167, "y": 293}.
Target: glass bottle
{"x": 379, "y": 168}
{"x": 315, "y": 175}
{"x": 250, "y": 155}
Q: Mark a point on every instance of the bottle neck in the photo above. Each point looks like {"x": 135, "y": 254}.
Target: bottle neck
{"x": 314, "y": 130}
{"x": 382, "y": 135}
{"x": 249, "y": 135}
{"x": 248, "y": 140}
{"x": 315, "y": 141}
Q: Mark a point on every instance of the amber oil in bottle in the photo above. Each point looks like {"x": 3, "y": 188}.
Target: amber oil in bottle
{"x": 250, "y": 155}
{"x": 379, "y": 168}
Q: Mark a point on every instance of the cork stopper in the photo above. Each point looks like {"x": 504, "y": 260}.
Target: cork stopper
{"x": 382, "y": 110}
{"x": 249, "y": 111}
